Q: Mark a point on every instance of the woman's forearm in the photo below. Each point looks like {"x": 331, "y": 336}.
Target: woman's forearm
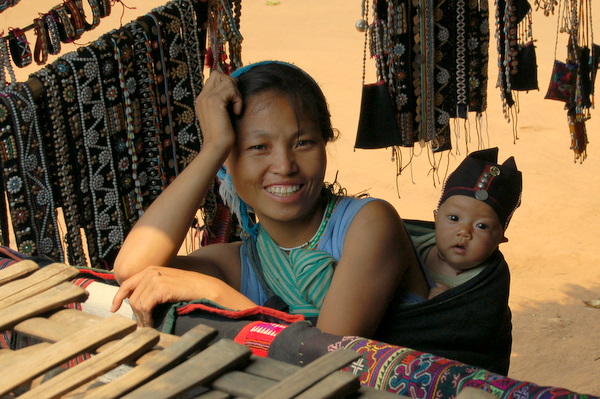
{"x": 157, "y": 236}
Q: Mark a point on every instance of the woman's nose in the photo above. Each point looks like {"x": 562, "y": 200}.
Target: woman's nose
{"x": 284, "y": 162}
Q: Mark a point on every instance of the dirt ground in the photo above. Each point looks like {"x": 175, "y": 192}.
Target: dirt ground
{"x": 552, "y": 252}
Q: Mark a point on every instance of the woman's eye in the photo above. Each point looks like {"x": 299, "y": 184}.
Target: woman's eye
{"x": 304, "y": 143}
{"x": 257, "y": 147}
{"x": 481, "y": 226}
{"x": 453, "y": 218}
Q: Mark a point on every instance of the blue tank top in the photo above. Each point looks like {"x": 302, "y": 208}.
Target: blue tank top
{"x": 332, "y": 241}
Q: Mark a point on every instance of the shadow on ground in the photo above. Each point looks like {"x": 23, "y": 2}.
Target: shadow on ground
{"x": 557, "y": 343}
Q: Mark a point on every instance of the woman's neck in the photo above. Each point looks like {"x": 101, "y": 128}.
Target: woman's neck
{"x": 297, "y": 233}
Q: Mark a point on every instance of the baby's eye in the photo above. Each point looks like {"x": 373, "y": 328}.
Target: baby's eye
{"x": 481, "y": 226}
{"x": 453, "y": 218}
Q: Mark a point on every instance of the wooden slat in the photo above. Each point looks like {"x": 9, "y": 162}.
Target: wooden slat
{"x": 335, "y": 385}
{"x": 133, "y": 345}
{"x": 9, "y": 357}
{"x": 43, "y": 279}
{"x": 63, "y": 350}
{"x": 45, "y": 329}
{"x": 53, "y": 298}
{"x": 17, "y": 270}
{"x": 310, "y": 374}
{"x": 71, "y": 321}
{"x": 195, "y": 339}
{"x": 76, "y": 319}
{"x": 213, "y": 395}
{"x": 222, "y": 356}
{"x": 239, "y": 383}
{"x": 270, "y": 368}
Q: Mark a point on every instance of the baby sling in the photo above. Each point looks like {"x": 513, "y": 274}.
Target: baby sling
{"x": 470, "y": 323}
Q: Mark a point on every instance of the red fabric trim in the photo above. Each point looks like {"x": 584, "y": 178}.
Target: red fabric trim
{"x": 82, "y": 282}
{"x": 258, "y": 336}
{"x": 240, "y": 314}
{"x": 98, "y": 274}
{"x": 240, "y": 338}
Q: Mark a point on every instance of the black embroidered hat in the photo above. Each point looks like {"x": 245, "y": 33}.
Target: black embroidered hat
{"x": 481, "y": 177}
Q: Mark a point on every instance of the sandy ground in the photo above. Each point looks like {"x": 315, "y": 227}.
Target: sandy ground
{"x": 552, "y": 253}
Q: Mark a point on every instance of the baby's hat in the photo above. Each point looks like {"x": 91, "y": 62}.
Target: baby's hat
{"x": 481, "y": 177}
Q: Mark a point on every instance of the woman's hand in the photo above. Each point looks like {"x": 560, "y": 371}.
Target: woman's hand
{"x": 212, "y": 109}
{"x": 156, "y": 285}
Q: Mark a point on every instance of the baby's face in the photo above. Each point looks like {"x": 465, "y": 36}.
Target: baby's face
{"x": 467, "y": 231}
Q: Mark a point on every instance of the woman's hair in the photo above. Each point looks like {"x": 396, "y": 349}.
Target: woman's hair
{"x": 304, "y": 93}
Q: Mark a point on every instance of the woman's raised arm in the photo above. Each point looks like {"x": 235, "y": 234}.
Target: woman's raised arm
{"x": 157, "y": 236}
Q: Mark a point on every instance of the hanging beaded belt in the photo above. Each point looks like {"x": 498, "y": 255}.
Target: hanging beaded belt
{"x": 26, "y": 175}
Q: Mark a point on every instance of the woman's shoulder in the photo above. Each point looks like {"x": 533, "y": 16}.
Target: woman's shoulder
{"x": 350, "y": 207}
{"x": 343, "y": 215}
{"x": 350, "y": 203}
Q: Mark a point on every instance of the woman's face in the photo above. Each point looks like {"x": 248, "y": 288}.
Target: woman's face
{"x": 278, "y": 163}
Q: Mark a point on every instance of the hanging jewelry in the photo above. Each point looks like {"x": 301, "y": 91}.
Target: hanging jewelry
{"x": 5, "y": 65}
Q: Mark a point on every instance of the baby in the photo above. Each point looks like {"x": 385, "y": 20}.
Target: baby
{"x": 477, "y": 203}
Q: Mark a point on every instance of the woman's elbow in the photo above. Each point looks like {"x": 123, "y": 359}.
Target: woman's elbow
{"x": 120, "y": 270}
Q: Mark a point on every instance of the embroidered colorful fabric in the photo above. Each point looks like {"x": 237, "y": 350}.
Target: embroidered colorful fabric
{"x": 562, "y": 82}
{"x": 258, "y": 336}
{"x": 416, "y": 374}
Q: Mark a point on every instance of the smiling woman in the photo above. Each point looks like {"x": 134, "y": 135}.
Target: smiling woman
{"x": 335, "y": 259}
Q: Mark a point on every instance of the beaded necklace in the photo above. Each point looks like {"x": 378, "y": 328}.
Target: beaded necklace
{"x": 314, "y": 241}
{"x": 167, "y": 138}
{"x": 131, "y": 134}
{"x": 151, "y": 161}
{"x": 6, "y": 64}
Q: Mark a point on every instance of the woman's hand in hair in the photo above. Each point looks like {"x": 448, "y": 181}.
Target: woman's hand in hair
{"x": 219, "y": 94}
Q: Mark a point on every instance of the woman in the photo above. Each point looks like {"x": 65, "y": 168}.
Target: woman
{"x": 340, "y": 259}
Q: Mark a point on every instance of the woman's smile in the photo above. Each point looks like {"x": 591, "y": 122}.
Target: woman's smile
{"x": 283, "y": 190}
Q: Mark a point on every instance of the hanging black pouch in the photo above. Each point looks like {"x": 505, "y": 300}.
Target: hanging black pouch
{"x": 526, "y": 77}
{"x": 377, "y": 124}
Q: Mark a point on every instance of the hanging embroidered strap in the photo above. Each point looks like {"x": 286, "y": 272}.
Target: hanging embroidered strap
{"x": 301, "y": 278}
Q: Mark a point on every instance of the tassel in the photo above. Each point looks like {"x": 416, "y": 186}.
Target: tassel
{"x": 235, "y": 203}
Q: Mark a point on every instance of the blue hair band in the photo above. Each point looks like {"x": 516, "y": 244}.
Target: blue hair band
{"x": 244, "y": 69}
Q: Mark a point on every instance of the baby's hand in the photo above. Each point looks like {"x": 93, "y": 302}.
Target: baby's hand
{"x": 437, "y": 290}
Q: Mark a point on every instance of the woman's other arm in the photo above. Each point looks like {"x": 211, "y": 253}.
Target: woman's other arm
{"x": 377, "y": 258}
